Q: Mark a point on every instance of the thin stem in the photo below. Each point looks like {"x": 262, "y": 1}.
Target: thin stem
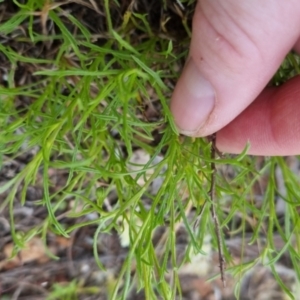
{"x": 213, "y": 199}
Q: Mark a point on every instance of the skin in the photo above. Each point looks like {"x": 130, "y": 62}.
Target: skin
{"x": 237, "y": 46}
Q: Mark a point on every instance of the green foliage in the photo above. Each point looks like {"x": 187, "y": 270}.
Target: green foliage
{"x": 86, "y": 118}
{"x": 70, "y": 291}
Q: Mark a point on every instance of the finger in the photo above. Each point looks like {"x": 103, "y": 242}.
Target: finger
{"x": 271, "y": 124}
{"x": 236, "y": 48}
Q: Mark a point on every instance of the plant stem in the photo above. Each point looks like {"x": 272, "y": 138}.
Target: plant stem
{"x": 213, "y": 208}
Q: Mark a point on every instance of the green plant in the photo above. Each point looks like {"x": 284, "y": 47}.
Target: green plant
{"x": 86, "y": 114}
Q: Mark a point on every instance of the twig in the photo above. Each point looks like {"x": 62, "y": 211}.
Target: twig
{"x": 212, "y": 190}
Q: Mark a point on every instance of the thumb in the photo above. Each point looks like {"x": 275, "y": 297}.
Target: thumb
{"x": 236, "y": 48}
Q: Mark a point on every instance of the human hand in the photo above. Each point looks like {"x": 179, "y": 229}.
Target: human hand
{"x": 236, "y": 48}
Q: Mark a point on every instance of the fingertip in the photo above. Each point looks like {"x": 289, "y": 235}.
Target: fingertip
{"x": 192, "y": 101}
